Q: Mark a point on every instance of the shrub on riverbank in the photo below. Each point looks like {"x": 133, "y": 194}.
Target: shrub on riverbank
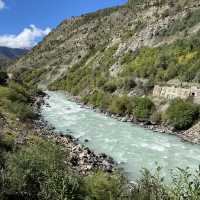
{"x": 181, "y": 185}
{"x": 121, "y": 105}
{"x": 16, "y": 99}
{"x": 143, "y": 108}
{"x": 103, "y": 186}
{"x": 41, "y": 170}
{"x": 182, "y": 114}
{"x": 22, "y": 110}
{"x": 38, "y": 171}
{"x": 140, "y": 107}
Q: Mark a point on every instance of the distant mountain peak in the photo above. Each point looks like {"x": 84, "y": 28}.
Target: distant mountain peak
{"x": 9, "y": 54}
{"x": 12, "y": 53}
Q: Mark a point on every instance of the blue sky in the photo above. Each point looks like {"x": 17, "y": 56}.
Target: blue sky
{"x": 32, "y": 19}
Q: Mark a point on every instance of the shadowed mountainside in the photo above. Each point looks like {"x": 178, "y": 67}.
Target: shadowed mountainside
{"x": 9, "y": 54}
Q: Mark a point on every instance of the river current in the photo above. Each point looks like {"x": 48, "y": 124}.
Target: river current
{"x": 131, "y": 146}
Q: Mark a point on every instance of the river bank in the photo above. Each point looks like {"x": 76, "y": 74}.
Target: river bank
{"x": 82, "y": 159}
{"x": 158, "y": 128}
{"x": 131, "y": 146}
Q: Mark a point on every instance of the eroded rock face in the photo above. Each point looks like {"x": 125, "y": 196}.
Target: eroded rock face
{"x": 193, "y": 134}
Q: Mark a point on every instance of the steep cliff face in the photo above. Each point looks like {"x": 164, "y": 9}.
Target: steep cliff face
{"x": 119, "y": 35}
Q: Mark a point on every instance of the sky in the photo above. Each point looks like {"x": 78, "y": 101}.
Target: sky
{"x": 25, "y": 22}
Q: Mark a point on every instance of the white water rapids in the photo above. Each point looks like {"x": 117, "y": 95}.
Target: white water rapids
{"x": 131, "y": 146}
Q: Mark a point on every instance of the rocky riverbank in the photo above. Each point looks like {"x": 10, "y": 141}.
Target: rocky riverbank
{"x": 82, "y": 159}
{"x": 162, "y": 129}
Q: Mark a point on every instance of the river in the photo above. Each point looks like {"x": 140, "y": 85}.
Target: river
{"x": 131, "y": 146}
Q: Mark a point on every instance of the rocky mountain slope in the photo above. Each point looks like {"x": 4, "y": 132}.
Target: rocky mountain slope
{"x": 9, "y": 54}
{"x": 121, "y": 51}
{"x": 123, "y": 29}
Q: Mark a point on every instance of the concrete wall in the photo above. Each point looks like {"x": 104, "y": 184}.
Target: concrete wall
{"x": 172, "y": 92}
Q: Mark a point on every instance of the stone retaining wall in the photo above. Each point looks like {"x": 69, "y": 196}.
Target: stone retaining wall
{"x": 172, "y": 92}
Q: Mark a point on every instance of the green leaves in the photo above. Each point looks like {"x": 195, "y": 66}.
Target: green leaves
{"x": 182, "y": 114}
{"x": 143, "y": 108}
{"x": 103, "y": 186}
{"x": 39, "y": 172}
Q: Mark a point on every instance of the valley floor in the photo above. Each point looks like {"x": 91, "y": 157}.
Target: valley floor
{"x": 37, "y": 165}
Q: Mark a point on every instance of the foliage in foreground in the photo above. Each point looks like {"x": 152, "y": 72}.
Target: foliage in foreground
{"x": 183, "y": 185}
{"x": 40, "y": 170}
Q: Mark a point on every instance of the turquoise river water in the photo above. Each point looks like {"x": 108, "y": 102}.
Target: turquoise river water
{"x": 131, "y": 146}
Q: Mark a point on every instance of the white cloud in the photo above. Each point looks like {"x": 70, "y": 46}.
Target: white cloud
{"x": 2, "y": 4}
{"x": 26, "y": 39}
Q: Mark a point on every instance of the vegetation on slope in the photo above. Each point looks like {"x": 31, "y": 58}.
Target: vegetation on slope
{"x": 146, "y": 3}
{"x": 16, "y": 101}
{"x": 178, "y": 60}
{"x": 97, "y": 87}
{"x": 39, "y": 168}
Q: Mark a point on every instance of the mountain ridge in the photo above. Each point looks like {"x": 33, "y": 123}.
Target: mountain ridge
{"x": 141, "y": 29}
{"x": 7, "y": 55}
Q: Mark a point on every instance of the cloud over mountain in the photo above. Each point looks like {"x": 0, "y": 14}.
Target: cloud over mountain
{"x": 2, "y": 4}
{"x": 26, "y": 39}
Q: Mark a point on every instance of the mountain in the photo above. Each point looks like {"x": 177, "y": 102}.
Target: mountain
{"x": 9, "y": 54}
{"x": 121, "y": 34}
{"x": 12, "y": 53}
{"x": 123, "y": 51}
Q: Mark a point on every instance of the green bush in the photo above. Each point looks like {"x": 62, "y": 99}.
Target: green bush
{"x": 103, "y": 186}
{"x": 150, "y": 187}
{"x": 181, "y": 114}
{"x": 143, "y": 107}
{"x": 182, "y": 184}
{"x": 128, "y": 83}
{"x": 22, "y": 91}
{"x": 16, "y": 97}
{"x": 178, "y": 60}
{"x": 3, "y": 77}
{"x": 110, "y": 87}
{"x": 22, "y": 111}
{"x": 105, "y": 101}
{"x": 101, "y": 82}
{"x": 39, "y": 172}
{"x": 121, "y": 105}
